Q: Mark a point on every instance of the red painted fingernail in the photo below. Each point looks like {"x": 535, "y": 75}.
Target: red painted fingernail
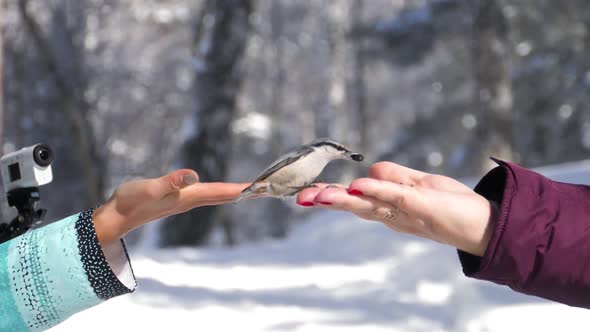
{"x": 325, "y": 203}
{"x": 355, "y": 192}
{"x": 306, "y": 204}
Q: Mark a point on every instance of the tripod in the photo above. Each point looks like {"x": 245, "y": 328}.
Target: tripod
{"x": 23, "y": 199}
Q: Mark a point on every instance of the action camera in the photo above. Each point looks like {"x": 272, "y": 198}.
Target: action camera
{"x": 27, "y": 167}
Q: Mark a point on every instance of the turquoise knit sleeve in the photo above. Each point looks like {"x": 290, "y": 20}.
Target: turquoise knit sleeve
{"x": 50, "y": 273}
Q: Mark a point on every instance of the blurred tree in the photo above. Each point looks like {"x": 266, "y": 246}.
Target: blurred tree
{"x": 220, "y": 38}
{"x": 71, "y": 82}
{"x": 358, "y": 82}
{"x": 1, "y": 74}
{"x": 550, "y": 80}
{"x": 279, "y": 212}
{"x": 493, "y": 82}
{"x": 3, "y": 215}
{"x": 426, "y": 83}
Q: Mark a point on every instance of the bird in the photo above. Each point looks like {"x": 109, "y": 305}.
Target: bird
{"x": 298, "y": 169}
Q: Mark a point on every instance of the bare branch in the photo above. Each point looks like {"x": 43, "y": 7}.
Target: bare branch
{"x": 75, "y": 107}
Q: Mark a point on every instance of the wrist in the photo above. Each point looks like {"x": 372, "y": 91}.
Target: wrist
{"x": 109, "y": 224}
{"x": 479, "y": 235}
{"x": 471, "y": 229}
{"x": 489, "y": 228}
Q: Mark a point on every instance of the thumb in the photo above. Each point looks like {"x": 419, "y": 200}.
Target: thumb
{"x": 177, "y": 180}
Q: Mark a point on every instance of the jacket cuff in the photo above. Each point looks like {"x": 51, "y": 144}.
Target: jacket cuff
{"x": 498, "y": 187}
{"x": 109, "y": 277}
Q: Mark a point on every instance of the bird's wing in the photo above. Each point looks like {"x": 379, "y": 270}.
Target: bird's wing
{"x": 285, "y": 160}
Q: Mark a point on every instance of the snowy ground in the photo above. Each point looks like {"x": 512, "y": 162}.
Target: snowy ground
{"x": 333, "y": 273}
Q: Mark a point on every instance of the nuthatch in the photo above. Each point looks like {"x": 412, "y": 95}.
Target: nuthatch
{"x": 298, "y": 169}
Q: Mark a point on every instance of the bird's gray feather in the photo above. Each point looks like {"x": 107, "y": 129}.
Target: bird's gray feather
{"x": 285, "y": 160}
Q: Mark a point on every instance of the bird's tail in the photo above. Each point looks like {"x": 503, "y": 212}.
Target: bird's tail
{"x": 245, "y": 193}
{"x": 255, "y": 188}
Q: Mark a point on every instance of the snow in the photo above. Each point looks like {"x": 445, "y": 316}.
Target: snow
{"x": 334, "y": 272}
{"x": 253, "y": 124}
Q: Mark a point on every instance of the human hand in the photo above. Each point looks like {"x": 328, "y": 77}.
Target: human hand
{"x": 138, "y": 202}
{"x": 409, "y": 201}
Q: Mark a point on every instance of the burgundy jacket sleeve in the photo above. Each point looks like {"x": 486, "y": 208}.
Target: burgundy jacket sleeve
{"x": 541, "y": 240}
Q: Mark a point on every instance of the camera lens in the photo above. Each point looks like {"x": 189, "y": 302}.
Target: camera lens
{"x": 43, "y": 155}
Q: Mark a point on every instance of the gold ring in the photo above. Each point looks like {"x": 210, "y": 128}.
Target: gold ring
{"x": 392, "y": 214}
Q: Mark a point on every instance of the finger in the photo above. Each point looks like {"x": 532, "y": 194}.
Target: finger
{"x": 173, "y": 205}
{"x": 340, "y": 199}
{"x": 202, "y": 194}
{"x": 209, "y": 203}
{"x": 212, "y": 191}
{"x": 307, "y": 196}
{"x": 321, "y": 185}
{"x": 370, "y": 208}
{"x": 393, "y": 172}
{"x": 399, "y": 224}
{"x": 176, "y": 180}
{"x": 404, "y": 197}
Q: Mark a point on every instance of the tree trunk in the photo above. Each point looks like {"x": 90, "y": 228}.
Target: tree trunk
{"x": 493, "y": 84}
{"x": 337, "y": 26}
{"x": 220, "y": 41}
{"x": 359, "y": 85}
{"x": 74, "y": 106}
{"x": 1, "y": 76}
{"x": 278, "y": 212}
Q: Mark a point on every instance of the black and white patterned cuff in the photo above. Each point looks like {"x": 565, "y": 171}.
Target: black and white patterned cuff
{"x": 108, "y": 269}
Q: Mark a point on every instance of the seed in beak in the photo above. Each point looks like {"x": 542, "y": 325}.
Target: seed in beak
{"x": 356, "y": 156}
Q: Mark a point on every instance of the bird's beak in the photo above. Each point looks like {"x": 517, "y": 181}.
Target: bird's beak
{"x": 355, "y": 156}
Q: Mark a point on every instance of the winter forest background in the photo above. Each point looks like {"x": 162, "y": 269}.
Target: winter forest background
{"x": 127, "y": 89}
